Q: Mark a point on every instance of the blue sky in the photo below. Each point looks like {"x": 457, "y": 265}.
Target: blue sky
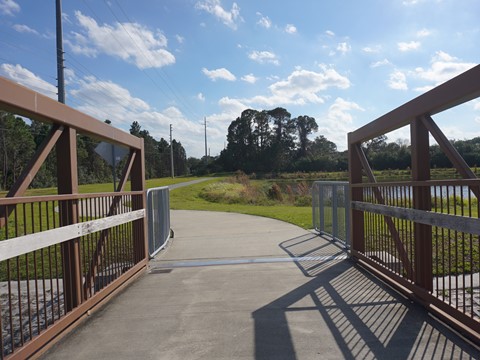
{"x": 177, "y": 61}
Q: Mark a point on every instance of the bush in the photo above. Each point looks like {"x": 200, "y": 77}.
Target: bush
{"x": 275, "y": 193}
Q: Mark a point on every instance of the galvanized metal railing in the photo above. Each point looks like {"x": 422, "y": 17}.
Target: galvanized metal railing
{"x": 331, "y": 210}
{"x": 158, "y": 212}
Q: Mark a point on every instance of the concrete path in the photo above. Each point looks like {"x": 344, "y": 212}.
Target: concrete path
{"x": 187, "y": 183}
{"x": 227, "y": 287}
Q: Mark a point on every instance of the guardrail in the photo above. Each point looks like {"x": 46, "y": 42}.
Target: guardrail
{"x": 158, "y": 212}
{"x": 331, "y": 210}
{"x": 422, "y": 235}
{"x": 61, "y": 255}
{"x": 41, "y": 291}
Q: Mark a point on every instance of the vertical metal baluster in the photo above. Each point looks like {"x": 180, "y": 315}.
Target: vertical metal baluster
{"x": 435, "y": 242}
{"x": 472, "y": 261}
{"x": 10, "y": 312}
{"x": 60, "y": 294}
{"x": 35, "y": 268}
{"x": 50, "y": 270}
{"x": 43, "y": 269}
{"x": 449, "y": 251}
{"x": 19, "y": 285}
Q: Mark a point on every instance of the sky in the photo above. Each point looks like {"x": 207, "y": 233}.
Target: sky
{"x": 180, "y": 62}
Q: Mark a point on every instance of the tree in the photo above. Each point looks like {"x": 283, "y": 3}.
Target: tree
{"x": 375, "y": 145}
{"x": 283, "y": 143}
{"x": 14, "y": 131}
{"x": 240, "y": 151}
{"x": 305, "y": 125}
{"x": 321, "y": 146}
{"x": 135, "y": 128}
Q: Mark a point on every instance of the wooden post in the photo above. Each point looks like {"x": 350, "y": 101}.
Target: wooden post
{"x": 67, "y": 178}
{"x": 421, "y": 201}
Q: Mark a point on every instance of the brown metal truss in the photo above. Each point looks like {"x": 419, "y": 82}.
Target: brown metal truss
{"x": 388, "y": 220}
{"x": 66, "y": 123}
{"x": 417, "y": 114}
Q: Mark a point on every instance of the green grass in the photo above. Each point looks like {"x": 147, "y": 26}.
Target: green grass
{"x": 188, "y": 198}
{"x": 107, "y": 187}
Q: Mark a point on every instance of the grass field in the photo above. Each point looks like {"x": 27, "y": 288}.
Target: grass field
{"x": 188, "y": 198}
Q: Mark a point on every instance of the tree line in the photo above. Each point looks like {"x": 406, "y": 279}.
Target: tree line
{"x": 258, "y": 141}
{"x": 273, "y": 141}
{"x": 20, "y": 139}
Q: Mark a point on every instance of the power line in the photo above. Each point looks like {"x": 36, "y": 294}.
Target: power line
{"x": 166, "y": 80}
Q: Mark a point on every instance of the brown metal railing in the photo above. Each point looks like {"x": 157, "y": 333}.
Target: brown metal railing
{"x": 32, "y": 283}
{"x": 422, "y": 235}
{"x": 62, "y": 255}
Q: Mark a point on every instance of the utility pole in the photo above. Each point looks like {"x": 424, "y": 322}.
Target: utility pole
{"x": 205, "y": 121}
{"x": 60, "y": 67}
{"x": 171, "y": 152}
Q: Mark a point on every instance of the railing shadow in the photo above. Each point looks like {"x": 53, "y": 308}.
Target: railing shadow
{"x": 344, "y": 309}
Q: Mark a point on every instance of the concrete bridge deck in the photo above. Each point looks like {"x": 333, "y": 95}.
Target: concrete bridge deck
{"x": 233, "y": 286}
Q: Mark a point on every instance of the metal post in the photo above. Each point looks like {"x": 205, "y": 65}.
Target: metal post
{"x": 67, "y": 178}
{"x": 114, "y": 173}
{"x": 321, "y": 206}
{"x": 346, "y": 192}
{"x": 137, "y": 176}
{"x": 421, "y": 201}
{"x": 357, "y": 224}
{"x": 171, "y": 152}
{"x": 206, "y": 158}
{"x": 334, "y": 212}
{"x": 60, "y": 67}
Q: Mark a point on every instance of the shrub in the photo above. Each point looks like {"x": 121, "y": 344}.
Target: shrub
{"x": 275, "y": 193}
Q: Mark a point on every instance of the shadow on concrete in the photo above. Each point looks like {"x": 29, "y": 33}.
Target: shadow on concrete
{"x": 362, "y": 318}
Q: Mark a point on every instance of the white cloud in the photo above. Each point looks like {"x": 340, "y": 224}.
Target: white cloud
{"x": 221, "y": 73}
{"x": 263, "y": 57}
{"x": 214, "y": 7}
{"x": 380, "y": 63}
{"x": 443, "y": 67}
{"x": 231, "y": 109}
{"x": 343, "y": 47}
{"x": 131, "y": 42}
{"x": 105, "y": 99}
{"x": 21, "y": 28}
{"x": 264, "y": 21}
{"x": 290, "y": 29}
{"x": 180, "y": 39}
{"x": 301, "y": 87}
{"x": 397, "y": 81}
{"x": 330, "y": 33}
{"x": 476, "y": 105}
{"x": 9, "y": 7}
{"x": 27, "y": 78}
{"x": 338, "y": 122}
{"x": 201, "y": 97}
{"x": 250, "y": 78}
{"x": 372, "y": 49}
{"x": 423, "y": 33}
{"x": 108, "y": 96}
{"x": 408, "y": 46}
